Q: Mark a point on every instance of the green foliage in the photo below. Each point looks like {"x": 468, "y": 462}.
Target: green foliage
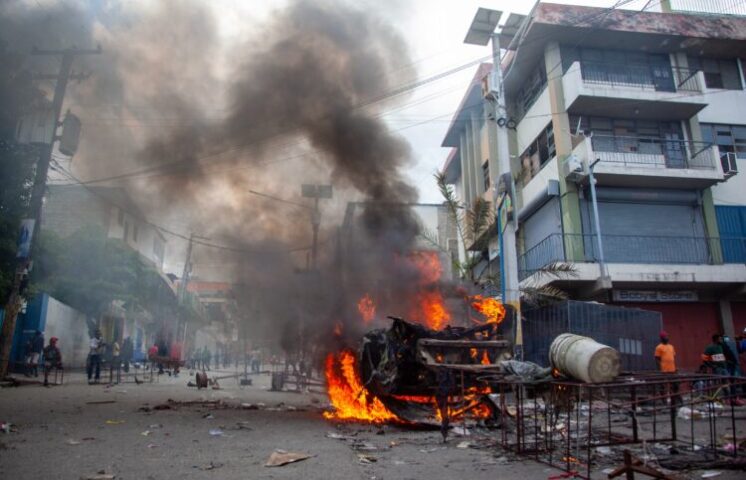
{"x": 89, "y": 271}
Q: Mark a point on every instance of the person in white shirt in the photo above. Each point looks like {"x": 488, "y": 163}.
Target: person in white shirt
{"x": 96, "y": 345}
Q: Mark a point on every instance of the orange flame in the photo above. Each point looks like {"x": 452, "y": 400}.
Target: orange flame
{"x": 348, "y": 396}
{"x": 431, "y": 310}
{"x": 491, "y": 308}
{"x": 367, "y": 308}
{"x": 485, "y": 358}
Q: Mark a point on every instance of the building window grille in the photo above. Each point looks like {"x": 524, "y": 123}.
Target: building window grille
{"x": 728, "y": 138}
{"x": 719, "y": 73}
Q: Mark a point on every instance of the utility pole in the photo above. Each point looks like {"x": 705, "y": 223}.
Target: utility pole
{"x": 37, "y": 193}
{"x": 482, "y": 32}
{"x": 182, "y": 293}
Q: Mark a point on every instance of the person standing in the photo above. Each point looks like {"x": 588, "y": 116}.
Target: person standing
{"x": 96, "y": 346}
{"x": 37, "y": 346}
{"x": 206, "y": 357}
{"x": 128, "y": 350}
{"x": 665, "y": 355}
{"x": 665, "y": 359}
{"x": 714, "y": 357}
{"x": 116, "y": 362}
{"x": 52, "y": 359}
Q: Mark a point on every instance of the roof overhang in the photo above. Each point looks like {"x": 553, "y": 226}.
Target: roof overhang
{"x": 654, "y": 32}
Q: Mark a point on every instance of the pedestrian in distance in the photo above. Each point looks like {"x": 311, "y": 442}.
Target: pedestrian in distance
{"x": 128, "y": 350}
{"x": 27, "y": 358}
{"x": 52, "y": 359}
{"x": 96, "y": 347}
{"x": 115, "y": 370}
{"x": 714, "y": 358}
{"x": 665, "y": 359}
{"x": 37, "y": 346}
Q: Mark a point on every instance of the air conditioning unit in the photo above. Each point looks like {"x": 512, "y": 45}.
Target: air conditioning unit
{"x": 574, "y": 169}
{"x": 730, "y": 166}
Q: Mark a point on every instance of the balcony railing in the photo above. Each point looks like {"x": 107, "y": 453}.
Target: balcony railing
{"x": 643, "y": 249}
{"x": 653, "y": 152}
{"x": 662, "y": 78}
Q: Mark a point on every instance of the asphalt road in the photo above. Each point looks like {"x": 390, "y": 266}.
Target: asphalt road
{"x": 77, "y": 430}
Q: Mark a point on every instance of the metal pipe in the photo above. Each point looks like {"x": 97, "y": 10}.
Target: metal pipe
{"x": 597, "y": 222}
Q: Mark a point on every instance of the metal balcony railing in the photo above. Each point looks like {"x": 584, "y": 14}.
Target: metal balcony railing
{"x": 654, "y": 152}
{"x": 662, "y": 78}
{"x": 643, "y": 249}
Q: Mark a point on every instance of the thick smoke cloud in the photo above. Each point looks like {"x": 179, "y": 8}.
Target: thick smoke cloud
{"x": 289, "y": 104}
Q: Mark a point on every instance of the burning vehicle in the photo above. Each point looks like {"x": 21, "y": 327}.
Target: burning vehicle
{"x": 414, "y": 374}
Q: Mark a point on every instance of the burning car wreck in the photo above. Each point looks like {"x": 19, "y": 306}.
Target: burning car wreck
{"x": 411, "y": 374}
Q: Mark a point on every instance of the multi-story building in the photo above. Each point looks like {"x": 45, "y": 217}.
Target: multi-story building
{"x": 67, "y": 208}
{"x": 657, "y": 101}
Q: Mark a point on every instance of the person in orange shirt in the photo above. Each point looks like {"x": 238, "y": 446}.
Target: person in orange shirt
{"x": 665, "y": 358}
{"x": 665, "y": 355}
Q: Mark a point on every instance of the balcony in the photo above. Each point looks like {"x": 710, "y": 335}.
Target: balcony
{"x": 594, "y": 88}
{"x": 632, "y": 249}
{"x": 650, "y": 162}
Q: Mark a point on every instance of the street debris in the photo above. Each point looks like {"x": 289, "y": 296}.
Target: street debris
{"x": 100, "y": 475}
{"x": 70, "y": 441}
{"x": 114, "y": 422}
{"x": 101, "y": 402}
{"x": 215, "y": 432}
{"x": 366, "y": 459}
{"x": 278, "y": 458}
{"x": 712, "y": 474}
{"x": 145, "y": 433}
{"x": 209, "y": 466}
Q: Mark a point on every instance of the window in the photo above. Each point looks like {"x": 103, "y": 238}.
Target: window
{"x": 728, "y": 138}
{"x": 540, "y": 151}
{"x": 620, "y": 67}
{"x": 134, "y": 233}
{"x": 486, "y": 174}
{"x": 719, "y": 73}
{"x": 531, "y": 90}
{"x": 120, "y": 217}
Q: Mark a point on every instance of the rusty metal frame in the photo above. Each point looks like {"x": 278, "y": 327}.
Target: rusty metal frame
{"x": 561, "y": 423}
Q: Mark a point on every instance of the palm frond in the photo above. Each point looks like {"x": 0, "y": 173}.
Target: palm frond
{"x": 431, "y": 237}
{"x": 556, "y": 271}
{"x": 542, "y": 295}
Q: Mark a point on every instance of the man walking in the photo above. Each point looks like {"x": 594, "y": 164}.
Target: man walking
{"x": 96, "y": 345}
{"x": 52, "y": 359}
{"x": 714, "y": 357}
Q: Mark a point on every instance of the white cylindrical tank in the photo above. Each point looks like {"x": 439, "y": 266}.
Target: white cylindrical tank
{"x": 583, "y": 358}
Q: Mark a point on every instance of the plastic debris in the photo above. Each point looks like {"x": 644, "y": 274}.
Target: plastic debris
{"x": 711, "y": 474}
{"x": 366, "y": 459}
{"x": 278, "y": 458}
{"x": 216, "y": 432}
{"x": 464, "y": 444}
{"x": 145, "y": 433}
{"x": 70, "y": 441}
{"x": 114, "y": 422}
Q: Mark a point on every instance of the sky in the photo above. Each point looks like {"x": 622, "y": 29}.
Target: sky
{"x": 434, "y": 31}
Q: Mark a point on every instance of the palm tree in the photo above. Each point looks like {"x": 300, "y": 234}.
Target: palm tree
{"x": 474, "y": 225}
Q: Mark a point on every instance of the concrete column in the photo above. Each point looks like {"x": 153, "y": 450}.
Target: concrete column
{"x": 711, "y": 226}
{"x": 465, "y": 169}
{"x": 477, "y": 151}
{"x": 726, "y": 319}
{"x": 569, "y": 200}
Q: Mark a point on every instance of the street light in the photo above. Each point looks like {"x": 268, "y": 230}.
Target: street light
{"x": 597, "y": 222}
{"x": 482, "y": 32}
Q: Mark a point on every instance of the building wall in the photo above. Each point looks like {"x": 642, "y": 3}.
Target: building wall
{"x": 68, "y": 208}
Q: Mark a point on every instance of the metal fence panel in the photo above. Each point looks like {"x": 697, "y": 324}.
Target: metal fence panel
{"x": 632, "y": 331}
